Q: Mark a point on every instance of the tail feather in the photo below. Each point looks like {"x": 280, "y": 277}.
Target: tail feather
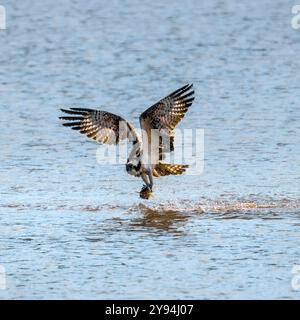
{"x": 166, "y": 169}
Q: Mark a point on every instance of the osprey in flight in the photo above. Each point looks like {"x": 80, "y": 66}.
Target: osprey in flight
{"x": 157, "y": 124}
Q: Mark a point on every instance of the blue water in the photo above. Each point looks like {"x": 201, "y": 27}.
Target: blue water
{"x": 71, "y": 228}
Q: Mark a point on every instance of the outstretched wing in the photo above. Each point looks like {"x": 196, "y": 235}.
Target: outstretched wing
{"x": 164, "y": 116}
{"x": 102, "y": 126}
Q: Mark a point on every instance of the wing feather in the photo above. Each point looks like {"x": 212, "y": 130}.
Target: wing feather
{"x": 167, "y": 113}
{"x": 102, "y": 126}
{"x": 164, "y": 116}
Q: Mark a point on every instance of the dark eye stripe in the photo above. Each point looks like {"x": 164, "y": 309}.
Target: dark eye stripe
{"x": 138, "y": 167}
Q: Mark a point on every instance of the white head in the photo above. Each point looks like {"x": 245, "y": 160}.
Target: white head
{"x": 134, "y": 163}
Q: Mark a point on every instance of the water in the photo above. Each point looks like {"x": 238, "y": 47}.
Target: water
{"x": 71, "y": 228}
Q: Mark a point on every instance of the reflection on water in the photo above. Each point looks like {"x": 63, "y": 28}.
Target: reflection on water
{"x": 160, "y": 218}
{"x": 72, "y": 228}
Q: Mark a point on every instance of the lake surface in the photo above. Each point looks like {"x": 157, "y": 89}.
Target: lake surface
{"x": 71, "y": 228}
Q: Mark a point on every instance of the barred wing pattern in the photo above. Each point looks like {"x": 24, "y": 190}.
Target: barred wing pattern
{"x": 165, "y": 115}
{"x": 102, "y": 126}
{"x": 168, "y": 112}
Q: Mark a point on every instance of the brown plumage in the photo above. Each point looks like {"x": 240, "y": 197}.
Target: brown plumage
{"x": 101, "y": 126}
{"x": 163, "y": 117}
{"x": 166, "y": 113}
{"x": 166, "y": 169}
{"x": 157, "y": 122}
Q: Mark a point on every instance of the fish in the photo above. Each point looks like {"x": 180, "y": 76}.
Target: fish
{"x": 145, "y": 193}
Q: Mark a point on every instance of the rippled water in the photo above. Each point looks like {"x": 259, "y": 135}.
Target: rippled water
{"x": 70, "y": 228}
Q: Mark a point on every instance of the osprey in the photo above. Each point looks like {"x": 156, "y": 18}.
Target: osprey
{"x": 157, "y": 124}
